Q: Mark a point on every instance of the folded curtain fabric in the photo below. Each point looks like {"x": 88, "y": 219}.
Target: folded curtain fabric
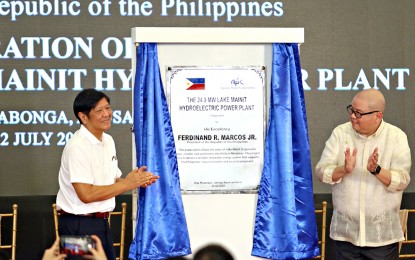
{"x": 285, "y": 223}
{"x": 161, "y": 230}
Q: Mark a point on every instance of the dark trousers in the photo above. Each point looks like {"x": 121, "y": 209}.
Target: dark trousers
{"x": 348, "y": 251}
{"x": 83, "y": 225}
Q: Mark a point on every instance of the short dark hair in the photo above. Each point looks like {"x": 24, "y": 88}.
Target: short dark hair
{"x": 213, "y": 252}
{"x": 86, "y": 100}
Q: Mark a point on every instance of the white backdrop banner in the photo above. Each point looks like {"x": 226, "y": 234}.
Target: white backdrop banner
{"x": 217, "y": 115}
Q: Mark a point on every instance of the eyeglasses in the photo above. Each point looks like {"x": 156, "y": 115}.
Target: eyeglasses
{"x": 357, "y": 114}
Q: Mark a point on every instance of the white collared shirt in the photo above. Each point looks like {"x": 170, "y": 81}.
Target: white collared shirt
{"x": 85, "y": 159}
{"x": 365, "y": 211}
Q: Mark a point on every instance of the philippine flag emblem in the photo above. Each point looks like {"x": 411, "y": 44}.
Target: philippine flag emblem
{"x": 195, "y": 84}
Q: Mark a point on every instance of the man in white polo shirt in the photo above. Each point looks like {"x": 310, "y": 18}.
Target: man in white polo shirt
{"x": 89, "y": 177}
{"x": 367, "y": 161}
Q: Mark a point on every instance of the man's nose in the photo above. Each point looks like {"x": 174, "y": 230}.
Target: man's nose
{"x": 107, "y": 112}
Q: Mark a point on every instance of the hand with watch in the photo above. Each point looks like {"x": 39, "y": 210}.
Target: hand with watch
{"x": 377, "y": 170}
{"x": 374, "y": 168}
{"x": 373, "y": 162}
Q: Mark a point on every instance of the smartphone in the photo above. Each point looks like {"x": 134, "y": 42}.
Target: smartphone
{"x": 76, "y": 245}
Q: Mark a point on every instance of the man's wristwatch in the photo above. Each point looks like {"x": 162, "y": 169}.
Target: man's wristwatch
{"x": 377, "y": 170}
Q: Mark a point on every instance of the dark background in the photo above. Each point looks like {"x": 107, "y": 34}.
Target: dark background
{"x": 352, "y": 36}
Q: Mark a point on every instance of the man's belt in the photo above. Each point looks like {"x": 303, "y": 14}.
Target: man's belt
{"x": 91, "y": 215}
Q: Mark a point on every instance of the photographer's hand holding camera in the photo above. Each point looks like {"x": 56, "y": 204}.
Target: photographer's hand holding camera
{"x": 98, "y": 252}
{"x": 52, "y": 253}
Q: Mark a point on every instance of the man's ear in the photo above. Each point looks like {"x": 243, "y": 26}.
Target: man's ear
{"x": 380, "y": 115}
{"x": 83, "y": 117}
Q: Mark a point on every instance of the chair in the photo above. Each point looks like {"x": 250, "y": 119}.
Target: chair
{"x": 11, "y": 246}
{"x": 55, "y": 219}
{"x": 121, "y": 214}
{"x": 322, "y": 241}
{"x": 405, "y": 216}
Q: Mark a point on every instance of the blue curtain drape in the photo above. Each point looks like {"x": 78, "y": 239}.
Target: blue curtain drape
{"x": 161, "y": 230}
{"x": 285, "y": 224}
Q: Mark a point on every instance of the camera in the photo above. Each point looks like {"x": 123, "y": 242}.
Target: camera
{"x": 76, "y": 245}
